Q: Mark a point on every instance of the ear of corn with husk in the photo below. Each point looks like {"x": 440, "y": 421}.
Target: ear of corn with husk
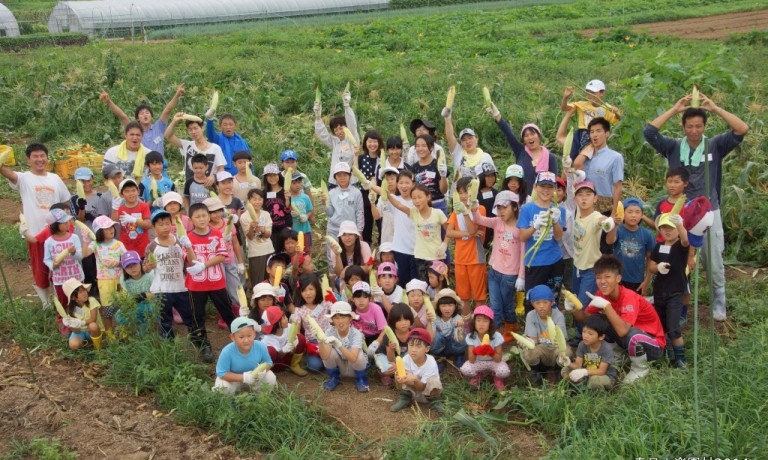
{"x": 450, "y": 97}
{"x": 678, "y": 206}
{"x": 472, "y": 189}
{"x": 230, "y": 222}
{"x": 562, "y": 346}
{"x": 78, "y": 188}
{"x": 261, "y": 368}
{"x": 568, "y": 144}
{"x": 300, "y": 243}
{"x": 212, "y": 194}
{"x": 620, "y": 210}
{"x": 316, "y": 329}
{"x": 153, "y": 188}
{"x": 287, "y": 179}
{"x": 59, "y": 307}
{"x": 61, "y": 256}
{"x": 278, "y": 276}
{"x": 190, "y": 117}
{"x": 403, "y": 133}
{"x": 571, "y": 297}
{"x": 524, "y": 341}
{"x": 324, "y": 284}
{"x": 293, "y": 331}
{"x": 249, "y": 173}
{"x": 383, "y": 158}
{"x": 151, "y": 258}
{"x": 348, "y": 135}
{"x": 551, "y": 329}
{"x": 695, "y": 97}
{"x": 487, "y": 96}
{"x": 324, "y": 188}
{"x": 359, "y": 174}
{"x": 181, "y": 232}
{"x": 214, "y": 100}
{"x": 372, "y": 278}
{"x": 333, "y": 244}
{"x": 242, "y": 299}
{"x": 384, "y": 192}
{"x": 85, "y": 228}
{"x": 392, "y": 339}
{"x": 430, "y": 308}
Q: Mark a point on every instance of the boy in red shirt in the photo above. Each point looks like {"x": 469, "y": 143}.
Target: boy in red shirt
{"x": 635, "y": 326}
{"x": 134, "y": 217}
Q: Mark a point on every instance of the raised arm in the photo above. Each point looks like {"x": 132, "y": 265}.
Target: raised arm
{"x": 172, "y": 103}
{"x": 517, "y": 147}
{"x": 450, "y": 134}
{"x": 562, "y": 130}
{"x": 737, "y": 125}
{"x": 9, "y": 174}
{"x": 169, "y": 131}
{"x": 566, "y": 95}
{"x": 104, "y": 97}
{"x": 680, "y": 106}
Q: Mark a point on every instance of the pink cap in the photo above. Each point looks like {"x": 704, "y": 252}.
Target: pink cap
{"x": 386, "y": 268}
{"x": 484, "y": 310}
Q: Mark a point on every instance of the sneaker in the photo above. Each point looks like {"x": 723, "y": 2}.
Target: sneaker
{"x": 498, "y": 382}
{"x": 206, "y": 354}
{"x": 475, "y": 381}
{"x": 362, "y": 387}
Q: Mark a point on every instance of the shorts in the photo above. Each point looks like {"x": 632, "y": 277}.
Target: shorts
{"x": 106, "y": 289}
{"x": 471, "y": 281}
{"x": 107, "y": 311}
{"x": 80, "y": 335}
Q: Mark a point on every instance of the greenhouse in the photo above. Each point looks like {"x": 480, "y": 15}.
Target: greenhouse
{"x": 8, "y": 25}
{"x": 111, "y": 16}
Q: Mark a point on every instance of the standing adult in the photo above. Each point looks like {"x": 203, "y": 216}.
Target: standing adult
{"x": 129, "y": 154}
{"x": 693, "y": 152}
{"x": 418, "y": 127}
{"x": 39, "y": 190}
{"x": 465, "y": 152}
{"x": 152, "y": 132}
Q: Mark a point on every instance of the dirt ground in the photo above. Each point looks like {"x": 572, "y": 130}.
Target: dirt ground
{"x": 707, "y": 28}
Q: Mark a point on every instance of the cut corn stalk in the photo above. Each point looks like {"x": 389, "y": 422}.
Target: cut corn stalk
{"x": 568, "y": 144}
{"x": 260, "y": 369}
{"x": 450, "y": 97}
{"x": 392, "y": 338}
{"x": 214, "y": 100}
{"x": 153, "y": 188}
{"x": 551, "y": 329}
{"x": 78, "y": 188}
{"x": 85, "y": 228}
{"x": 620, "y": 210}
{"x": 252, "y": 212}
{"x": 349, "y": 137}
{"x": 535, "y": 248}
{"x": 181, "y": 232}
{"x": 112, "y": 189}
{"x": 487, "y": 97}
{"x": 678, "y": 206}
{"x": 562, "y": 346}
{"x": 571, "y": 297}
{"x": 241, "y": 297}
{"x": 359, "y": 174}
{"x": 300, "y": 243}
{"x": 333, "y": 244}
{"x": 293, "y": 331}
{"x": 403, "y": 133}
{"x": 399, "y": 367}
{"x": 190, "y": 117}
{"x": 287, "y": 179}
{"x": 61, "y": 256}
{"x": 278, "y": 276}
{"x": 524, "y": 341}
{"x": 695, "y": 97}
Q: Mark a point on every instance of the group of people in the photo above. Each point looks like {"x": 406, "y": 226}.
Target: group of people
{"x": 556, "y": 225}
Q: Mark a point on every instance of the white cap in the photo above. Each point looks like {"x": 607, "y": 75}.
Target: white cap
{"x": 348, "y": 227}
{"x": 221, "y": 176}
{"x": 341, "y": 167}
{"x": 262, "y": 289}
{"x": 595, "y": 86}
{"x": 342, "y": 308}
{"x": 415, "y": 284}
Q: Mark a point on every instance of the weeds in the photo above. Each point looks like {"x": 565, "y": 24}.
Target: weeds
{"x": 39, "y": 448}
{"x": 12, "y": 246}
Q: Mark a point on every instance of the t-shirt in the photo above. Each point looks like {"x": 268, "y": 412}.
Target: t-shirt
{"x": 469, "y": 250}
{"x": 404, "y": 236}
{"x": 586, "y": 240}
{"x": 38, "y": 194}
{"x": 604, "y": 169}
{"x": 241, "y": 189}
{"x": 258, "y": 246}
{"x": 466, "y": 163}
{"x": 319, "y": 313}
{"x": 429, "y": 177}
{"x": 278, "y": 211}
{"x": 110, "y": 157}
{"x": 587, "y": 112}
{"x": 169, "y": 272}
{"x": 207, "y": 247}
{"x": 549, "y": 251}
{"x": 304, "y": 205}
{"x": 196, "y": 191}
{"x": 387, "y": 231}
{"x": 411, "y": 157}
{"x": 229, "y": 144}
{"x": 635, "y": 310}
{"x": 71, "y": 266}
{"x": 507, "y": 249}
{"x": 235, "y": 206}
{"x": 473, "y": 340}
{"x": 428, "y": 238}
{"x": 108, "y": 259}
{"x": 214, "y": 154}
{"x": 593, "y": 360}
{"x": 164, "y": 185}
{"x": 231, "y": 258}
{"x": 341, "y": 150}
{"x": 396, "y": 296}
{"x": 424, "y": 372}
{"x": 368, "y": 165}
{"x": 139, "y": 286}
{"x": 232, "y": 360}
{"x": 354, "y": 339}
{"x": 134, "y": 237}
{"x": 631, "y": 248}
{"x": 677, "y": 256}
{"x": 446, "y": 328}
{"x": 536, "y": 327}
{"x": 94, "y": 206}
{"x": 153, "y": 137}
{"x": 372, "y": 322}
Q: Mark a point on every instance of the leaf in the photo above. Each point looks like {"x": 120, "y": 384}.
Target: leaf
{"x": 470, "y": 422}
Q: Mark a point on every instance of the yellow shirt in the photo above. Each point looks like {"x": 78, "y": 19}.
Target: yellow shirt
{"x": 587, "y": 112}
{"x": 428, "y": 238}
{"x": 586, "y": 240}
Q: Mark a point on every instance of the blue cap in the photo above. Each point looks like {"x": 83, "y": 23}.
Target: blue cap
{"x": 158, "y": 213}
{"x": 289, "y": 155}
{"x": 83, "y": 173}
{"x": 541, "y": 292}
{"x": 633, "y": 202}
{"x": 59, "y": 216}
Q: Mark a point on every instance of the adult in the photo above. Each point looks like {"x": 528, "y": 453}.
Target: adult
{"x": 691, "y": 152}
{"x": 228, "y": 139}
{"x": 531, "y": 154}
{"x": 199, "y": 145}
{"x": 152, "y": 133}
{"x": 39, "y": 190}
{"x": 128, "y": 155}
{"x": 465, "y": 153}
{"x": 418, "y": 127}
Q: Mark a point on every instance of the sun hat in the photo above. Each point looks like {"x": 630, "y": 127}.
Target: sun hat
{"x": 348, "y": 227}
{"x": 342, "y": 308}
{"x": 71, "y": 285}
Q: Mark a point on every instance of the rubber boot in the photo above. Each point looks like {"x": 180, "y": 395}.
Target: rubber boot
{"x": 97, "y": 341}
{"x": 296, "y": 364}
{"x": 334, "y": 379}
{"x": 435, "y": 403}
{"x": 200, "y": 340}
{"x": 537, "y": 375}
{"x": 206, "y": 352}
{"x": 637, "y": 370}
{"x": 44, "y": 295}
{"x": 406, "y": 399}
{"x": 679, "y": 351}
{"x": 110, "y": 336}
{"x": 498, "y": 382}
{"x": 509, "y": 328}
{"x": 361, "y": 381}
{"x": 221, "y": 323}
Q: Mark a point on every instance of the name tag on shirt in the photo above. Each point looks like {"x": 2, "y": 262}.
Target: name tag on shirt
{"x": 157, "y": 140}
{"x": 487, "y": 195}
{"x": 664, "y": 249}
{"x": 78, "y": 311}
{"x": 709, "y": 157}
{"x": 430, "y": 174}
{"x": 271, "y": 194}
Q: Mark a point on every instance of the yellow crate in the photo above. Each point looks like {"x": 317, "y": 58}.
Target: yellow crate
{"x": 65, "y": 167}
{"x": 95, "y": 161}
{"x": 11, "y": 160}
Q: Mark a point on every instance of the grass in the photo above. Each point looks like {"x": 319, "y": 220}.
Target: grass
{"x": 12, "y": 246}
{"x": 39, "y": 448}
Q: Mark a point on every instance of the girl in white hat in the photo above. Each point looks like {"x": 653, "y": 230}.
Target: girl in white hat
{"x": 81, "y": 315}
{"x": 108, "y": 251}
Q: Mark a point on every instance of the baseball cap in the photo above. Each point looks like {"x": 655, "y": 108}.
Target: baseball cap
{"x": 386, "y": 268}
{"x": 484, "y": 310}
{"x": 505, "y": 198}
{"x": 125, "y": 183}
{"x": 389, "y": 169}
{"x": 595, "y": 86}
{"x": 289, "y": 155}
{"x": 221, "y": 176}
{"x": 153, "y": 157}
{"x": 58, "y": 215}
{"x": 663, "y": 220}
{"x": 416, "y": 122}
{"x": 585, "y": 184}
{"x": 295, "y": 175}
{"x": 261, "y": 290}
{"x": 514, "y": 171}
{"x": 422, "y": 334}
{"x": 416, "y": 285}
{"x": 540, "y": 292}
{"x": 83, "y": 173}
{"x": 632, "y": 201}
{"x": 271, "y": 168}
{"x": 109, "y": 171}
{"x": 241, "y": 322}
{"x": 485, "y": 168}
{"x": 213, "y": 204}
{"x": 342, "y": 308}
{"x": 348, "y": 227}
{"x": 271, "y": 317}
{"x": 467, "y": 131}
{"x": 341, "y": 167}
{"x": 158, "y": 213}
{"x": 172, "y": 197}
{"x": 439, "y": 267}
{"x": 560, "y": 182}
{"x": 102, "y": 222}
{"x": 361, "y": 286}
{"x": 129, "y": 258}
{"x": 546, "y": 177}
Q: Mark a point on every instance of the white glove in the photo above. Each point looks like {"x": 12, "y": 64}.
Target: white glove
{"x": 332, "y": 341}
{"x": 347, "y": 98}
{"x": 442, "y": 168}
{"x": 74, "y": 323}
{"x": 210, "y": 113}
{"x": 372, "y": 348}
{"x": 240, "y": 269}
{"x": 446, "y": 112}
{"x": 443, "y": 251}
{"x": 197, "y": 268}
{"x": 663, "y": 267}
{"x": 555, "y": 213}
{"x": 520, "y": 284}
{"x": 579, "y": 176}
{"x": 540, "y": 220}
{"x": 676, "y": 219}
{"x": 290, "y": 346}
{"x": 245, "y": 312}
{"x": 578, "y": 374}
{"x": 608, "y": 224}
{"x": 185, "y": 242}
{"x": 597, "y": 302}
{"x": 235, "y": 219}
{"x": 569, "y": 306}
{"x": 567, "y": 162}
{"x": 303, "y": 218}
{"x": 23, "y": 228}
{"x": 248, "y": 377}
{"x": 492, "y": 110}
{"x": 318, "y": 108}
{"x": 377, "y": 291}
{"x": 563, "y": 361}
{"x": 116, "y": 202}
{"x": 126, "y": 219}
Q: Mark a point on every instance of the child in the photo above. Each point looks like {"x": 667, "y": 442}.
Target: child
{"x": 386, "y": 254}
{"x": 169, "y": 257}
{"x": 263, "y": 297}
{"x": 670, "y": 285}
{"x": 587, "y": 110}
{"x": 228, "y": 139}
{"x": 343, "y": 203}
{"x": 371, "y": 320}
{"x": 506, "y": 274}
{"x": 197, "y": 188}
{"x": 545, "y": 355}
{"x": 154, "y": 161}
{"x": 290, "y": 159}
{"x": 283, "y": 291}
{"x": 565, "y": 195}
{"x": 258, "y": 234}
{"x": 310, "y": 295}
{"x": 343, "y": 150}
{"x": 242, "y": 181}
{"x": 62, "y": 240}
{"x": 546, "y": 266}
{"x": 238, "y": 360}
{"x": 173, "y": 203}
{"x": 342, "y": 349}
{"x": 276, "y": 203}
{"x": 514, "y": 182}
{"x": 404, "y": 232}
{"x": 81, "y": 315}
{"x": 594, "y": 357}
{"x": 352, "y": 275}
{"x": 301, "y": 209}
{"x": 488, "y": 358}
{"x": 448, "y": 328}
{"x": 422, "y": 378}
{"x": 394, "y": 158}
{"x": 290, "y": 239}
{"x": 469, "y": 262}
{"x": 284, "y": 354}
{"x": 426, "y": 172}
{"x": 139, "y": 284}
{"x": 416, "y": 290}
{"x": 421, "y": 126}
{"x": 486, "y": 195}
{"x": 368, "y": 164}
{"x": 400, "y": 320}
{"x": 353, "y": 250}
{"x": 133, "y": 216}
{"x": 437, "y": 276}
{"x": 108, "y": 251}
{"x": 233, "y": 262}
{"x": 633, "y": 247}
{"x": 215, "y": 160}
{"x": 382, "y": 210}
{"x": 85, "y": 208}
{"x": 388, "y": 290}
{"x": 225, "y": 185}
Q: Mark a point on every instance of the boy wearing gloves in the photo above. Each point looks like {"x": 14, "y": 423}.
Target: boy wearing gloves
{"x": 544, "y": 355}
{"x": 342, "y": 349}
{"x": 594, "y": 357}
{"x": 239, "y": 362}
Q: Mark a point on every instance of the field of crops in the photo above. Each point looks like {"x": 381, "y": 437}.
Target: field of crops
{"x": 399, "y": 66}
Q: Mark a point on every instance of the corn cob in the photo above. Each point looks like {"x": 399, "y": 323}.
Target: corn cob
{"x": 212, "y": 194}
{"x": 300, "y": 243}
{"x": 112, "y": 189}
{"x": 4, "y": 156}
{"x": 372, "y": 281}
{"x": 241, "y": 297}
{"x": 324, "y": 188}
{"x": 384, "y": 193}
{"x": 405, "y": 297}
{"x": 78, "y": 188}
{"x": 293, "y": 331}
{"x": 568, "y": 144}
{"x": 392, "y": 339}
{"x": 430, "y": 308}
{"x": 551, "y": 329}
{"x": 316, "y": 329}
{"x": 261, "y": 368}
{"x": 346, "y": 88}
{"x": 61, "y": 256}
{"x": 403, "y": 133}
{"x": 190, "y": 117}
{"x": 620, "y": 210}
{"x": 441, "y": 159}
{"x": 571, "y": 297}
{"x": 399, "y": 367}
{"x": 383, "y": 158}
{"x": 562, "y": 347}
{"x": 153, "y": 188}
{"x": 85, "y": 228}
{"x": 520, "y": 303}
{"x": 214, "y": 100}
{"x": 318, "y": 91}
{"x": 324, "y": 284}
{"x": 474, "y": 185}
{"x": 181, "y": 232}
{"x": 348, "y": 135}
{"x": 359, "y": 174}
{"x": 486, "y": 340}
{"x": 333, "y": 244}
{"x": 695, "y": 97}
{"x": 487, "y": 96}
{"x": 287, "y": 178}
{"x": 524, "y": 341}
{"x": 278, "y": 276}
{"x": 151, "y": 258}
{"x": 252, "y": 212}
{"x": 678, "y": 206}
{"x": 450, "y": 97}
{"x": 230, "y": 222}
{"x": 59, "y": 308}
{"x": 295, "y": 208}
{"x": 249, "y": 174}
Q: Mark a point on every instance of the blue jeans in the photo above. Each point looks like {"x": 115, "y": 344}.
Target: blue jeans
{"x": 501, "y": 289}
{"x": 314, "y": 363}
{"x": 445, "y": 346}
{"x": 583, "y": 281}
{"x": 407, "y": 268}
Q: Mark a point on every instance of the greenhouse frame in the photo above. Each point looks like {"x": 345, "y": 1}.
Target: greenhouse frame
{"x": 109, "y": 16}
{"x": 8, "y": 25}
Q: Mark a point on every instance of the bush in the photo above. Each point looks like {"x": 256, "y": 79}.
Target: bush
{"x": 38, "y": 40}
